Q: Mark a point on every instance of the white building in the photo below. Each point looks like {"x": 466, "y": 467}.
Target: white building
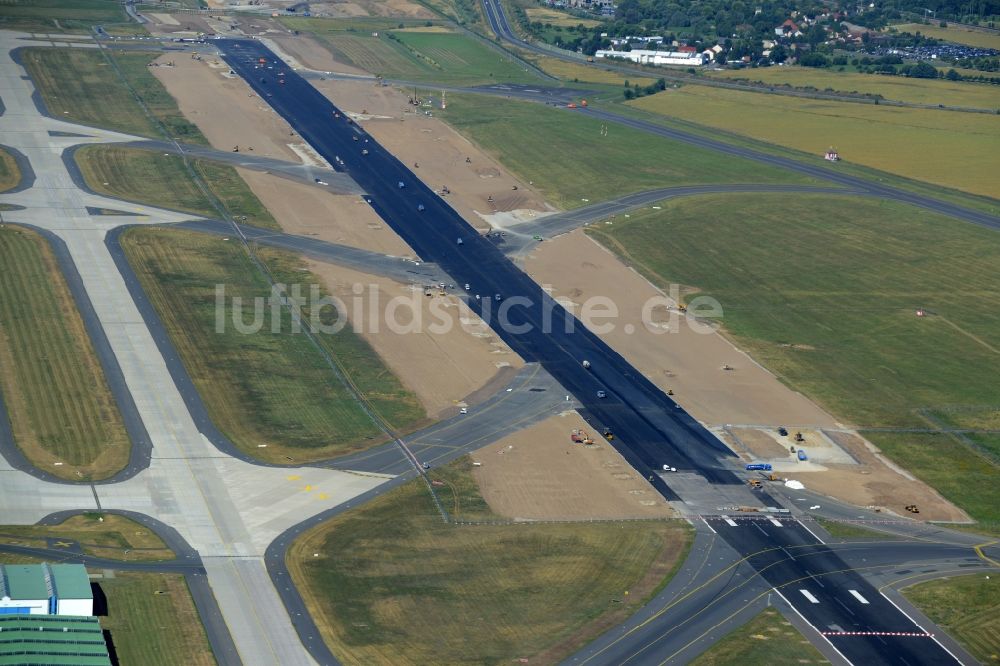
{"x": 648, "y": 57}
{"x": 45, "y": 589}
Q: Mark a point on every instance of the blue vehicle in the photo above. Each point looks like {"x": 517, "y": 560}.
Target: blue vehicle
{"x": 764, "y": 467}
{"x": 802, "y": 455}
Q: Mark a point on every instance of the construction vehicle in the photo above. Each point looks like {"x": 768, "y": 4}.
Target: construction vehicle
{"x": 755, "y": 484}
{"x": 583, "y": 103}
{"x": 581, "y": 437}
{"x": 608, "y": 435}
{"x": 586, "y": 365}
{"x": 912, "y": 508}
{"x": 799, "y": 437}
{"x": 773, "y": 477}
{"x": 783, "y": 431}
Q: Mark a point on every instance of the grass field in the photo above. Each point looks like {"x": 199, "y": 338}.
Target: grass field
{"x": 558, "y": 18}
{"x": 968, "y": 608}
{"x": 266, "y": 388}
{"x": 413, "y": 54}
{"x": 766, "y": 639}
{"x": 572, "y": 72}
{"x": 570, "y": 162}
{"x": 114, "y": 538}
{"x": 157, "y": 179}
{"x": 392, "y": 583}
{"x": 901, "y": 88}
{"x": 153, "y": 620}
{"x": 968, "y": 479}
{"x": 71, "y": 16}
{"x": 823, "y": 290}
{"x": 10, "y": 175}
{"x": 955, "y": 150}
{"x": 60, "y": 407}
{"x": 954, "y": 33}
{"x": 81, "y": 86}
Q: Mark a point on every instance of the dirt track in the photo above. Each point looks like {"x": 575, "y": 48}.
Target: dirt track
{"x": 539, "y": 474}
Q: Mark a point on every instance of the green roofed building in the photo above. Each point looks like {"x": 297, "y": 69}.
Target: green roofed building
{"x": 45, "y": 589}
{"x": 52, "y": 640}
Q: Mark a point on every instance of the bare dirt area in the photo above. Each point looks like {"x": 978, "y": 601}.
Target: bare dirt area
{"x": 443, "y": 365}
{"x": 440, "y": 152}
{"x": 670, "y": 352}
{"x": 305, "y": 210}
{"x": 308, "y": 53}
{"x": 224, "y": 108}
{"x": 874, "y": 481}
{"x": 539, "y": 474}
{"x": 692, "y": 365}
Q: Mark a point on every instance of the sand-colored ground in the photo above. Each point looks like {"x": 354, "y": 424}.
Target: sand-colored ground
{"x": 306, "y": 52}
{"x": 306, "y": 210}
{"x": 224, "y": 108}
{"x": 875, "y": 481}
{"x": 441, "y": 367}
{"x": 689, "y": 363}
{"x": 440, "y": 152}
{"x": 539, "y": 474}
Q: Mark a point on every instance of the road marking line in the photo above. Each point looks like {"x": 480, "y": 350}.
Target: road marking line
{"x": 857, "y": 595}
{"x": 709, "y": 526}
{"x": 776, "y": 523}
{"x": 957, "y": 660}
{"x": 729, "y": 521}
{"x": 809, "y": 596}
{"x": 814, "y": 628}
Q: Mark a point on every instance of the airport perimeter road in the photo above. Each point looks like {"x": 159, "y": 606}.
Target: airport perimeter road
{"x": 499, "y": 24}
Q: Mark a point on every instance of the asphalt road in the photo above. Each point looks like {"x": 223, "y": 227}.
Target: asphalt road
{"x": 651, "y": 427}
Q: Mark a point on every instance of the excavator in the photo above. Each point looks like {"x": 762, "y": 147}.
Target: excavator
{"x": 580, "y": 437}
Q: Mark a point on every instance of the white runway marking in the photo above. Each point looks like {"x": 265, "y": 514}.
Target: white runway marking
{"x": 810, "y": 597}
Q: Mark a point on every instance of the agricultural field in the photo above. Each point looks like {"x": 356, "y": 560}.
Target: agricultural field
{"x": 385, "y": 582}
{"x": 900, "y": 88}
{"x": 153, "y": 621}
{"x": 60, "y": 16}
{"x": 823, "y": 292}
{"x": 416, "y": 54}
{"x": 60, "y": 407}
{"x": 968, "y": 608}
{"x": 571, "y": 162}
{"x": 270, "y": 388}
{"x": 766, "y": 639}
{"x": 81, "y": 86}
{"x": 10, "y": 175}
{"x": 157, "y": 179}
{"x": 954, "y": 33}
{"x": 113, "y": 538}
{"x": 557, "y": 18}
{"x": 898, "y": 140}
